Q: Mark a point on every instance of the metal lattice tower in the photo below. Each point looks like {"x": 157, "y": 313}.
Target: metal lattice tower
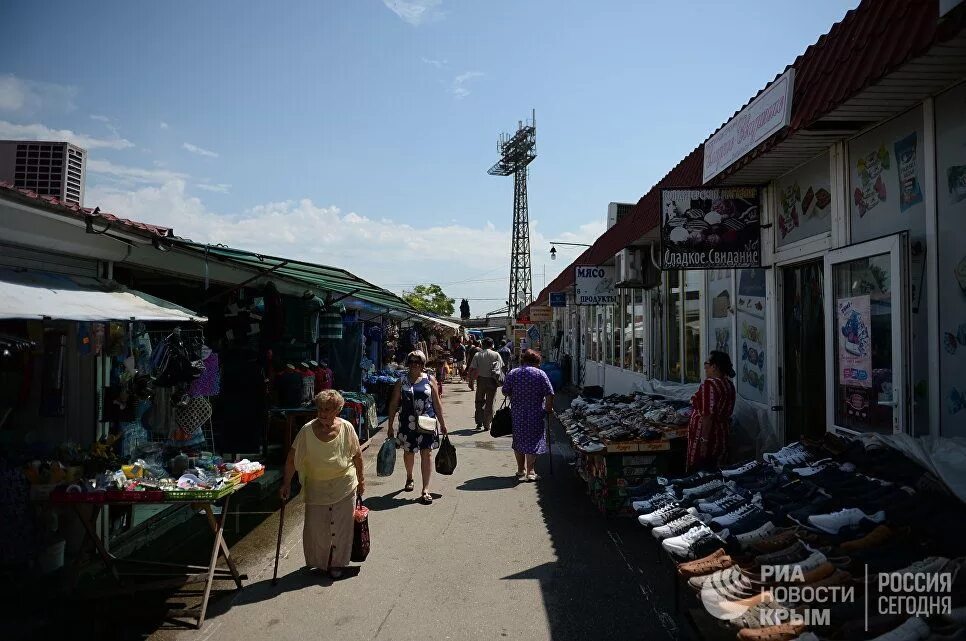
{"x": 516, "y": 153}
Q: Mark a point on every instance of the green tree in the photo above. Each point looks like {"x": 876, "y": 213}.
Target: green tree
{"x": 430, "y": 298}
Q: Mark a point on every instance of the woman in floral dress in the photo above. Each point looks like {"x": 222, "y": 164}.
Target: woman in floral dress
{"x": 711, "y": 409}
{"x": 531, "y": 398}
{"x": 418, "y": 395}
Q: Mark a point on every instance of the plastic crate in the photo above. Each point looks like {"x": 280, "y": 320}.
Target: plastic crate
{"x": 248, "y": 477}
{"x": 198, "y": 495}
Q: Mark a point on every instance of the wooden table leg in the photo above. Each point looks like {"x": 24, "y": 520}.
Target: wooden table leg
{"x": 216, "y": 549}
{"x": 91, "y": 529}
{"x": 215, "y": 525}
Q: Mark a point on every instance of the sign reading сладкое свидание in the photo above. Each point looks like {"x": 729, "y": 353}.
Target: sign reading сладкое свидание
{"x": 713, "y": 228}
{"x": 594, "y": 285}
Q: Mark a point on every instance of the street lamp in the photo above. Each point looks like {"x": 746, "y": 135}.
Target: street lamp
{"x": 553, "y": 250}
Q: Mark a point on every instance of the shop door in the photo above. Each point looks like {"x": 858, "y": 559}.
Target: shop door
{"x": 802, "y": 374}
{"x": 868, "y": 329}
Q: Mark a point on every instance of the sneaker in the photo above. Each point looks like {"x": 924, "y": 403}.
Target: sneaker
{"x": 812, "y": 562}
{"x": 731, "y": 517}
{"x": 788, "y": 455}
{"x": 797, "y": 551}
{"x": 775, "y": 543}
{"x": 762, "y": 615}
{"x": 704, "y": 489}
{"x": 717, "y": 560}
{"x": 912, "y": 630}
{"x": 750, "y": 466}
{"x": 677, "y": 527}
{"x": 726, "y": 504}
{"x": 758, "y": 534}
{"x": 652, "y": 503}
{"x": 783, "y": 632}
{"x": 691, "y": 544}
{"x": 665, "y": 514}
{"x": 850, "y": 517}
{"x": 878, "y": 537}
{"x": 929, "y": 565}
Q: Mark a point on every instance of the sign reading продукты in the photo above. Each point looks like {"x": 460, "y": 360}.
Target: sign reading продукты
{"x": 594, "y": 285}
{"x": 558, "y": 299}
{"x": 715, "y": 228}
{"x": 764, "y": 116}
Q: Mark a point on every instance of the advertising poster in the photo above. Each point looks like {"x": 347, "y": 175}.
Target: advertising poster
{"x": 872, "y": 188}
{"x": 710, "y": 228}
{"x": 722, "y": 306}
{"x": 595, "y": 285}
{"x": 805, "y": 202}
{"x": 853, "y": 322}
{"x": 752, "y": 345}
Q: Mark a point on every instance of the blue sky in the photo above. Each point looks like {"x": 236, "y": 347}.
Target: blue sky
{"x": 358, "y": 133}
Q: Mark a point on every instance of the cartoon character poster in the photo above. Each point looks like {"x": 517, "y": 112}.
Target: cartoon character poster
{"x": 873, "y": 187}
{"x": 853, "y": 325}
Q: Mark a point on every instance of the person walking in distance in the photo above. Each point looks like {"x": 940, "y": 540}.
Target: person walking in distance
{"x": 531, "y": 399}
{"x": 413, "y": 396}
{"x": 486, "y": 370}
{"x": 471, "y": 350}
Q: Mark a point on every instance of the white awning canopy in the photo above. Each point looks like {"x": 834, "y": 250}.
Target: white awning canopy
{"x": 42, "y": 295}
{"x": 442, "y": 322}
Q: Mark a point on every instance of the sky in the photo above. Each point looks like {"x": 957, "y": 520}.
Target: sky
{"x": 357, "y": 133}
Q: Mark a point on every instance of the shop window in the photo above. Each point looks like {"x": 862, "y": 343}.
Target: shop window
{"x": 673, "y": 327}
{"x": 886, "y": 196}
{"x": 637, "y": 329}
{"x": 951, "y": 202}
{"x": 655, "y": 299}
{"x": 691, "y": 340}
{"x": 804, "y": 202}
{"x": 610, "y": 329}
{"x": 751, "y": 344}
{"x": 721, "y": 304}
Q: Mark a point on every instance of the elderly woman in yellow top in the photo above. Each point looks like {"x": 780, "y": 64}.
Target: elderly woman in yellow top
{"x": 327, "y": 456}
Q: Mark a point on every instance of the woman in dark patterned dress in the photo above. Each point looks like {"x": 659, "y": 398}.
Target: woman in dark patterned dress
{"x": 712, "y": 406}
{"x": 417, "y": 395}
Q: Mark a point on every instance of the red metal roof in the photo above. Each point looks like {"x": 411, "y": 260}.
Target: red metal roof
{"x": 871, "y": 41}
{"x": 55, "y": 204}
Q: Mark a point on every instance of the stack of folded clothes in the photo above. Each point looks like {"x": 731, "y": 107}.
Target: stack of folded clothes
{"x": 817, "y": 537}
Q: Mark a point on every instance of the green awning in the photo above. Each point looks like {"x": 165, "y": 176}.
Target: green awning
{"x": 323, "y": 277}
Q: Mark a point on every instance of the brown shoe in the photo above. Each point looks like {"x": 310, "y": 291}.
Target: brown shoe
{"x": 774, "y": 543}
{"x": 881, "y": 535}
{"x": 821, "y": 572}
{"x": 839, "y": 577}
{"x": 704, "y": 566}
{"x": 783, "y": 632}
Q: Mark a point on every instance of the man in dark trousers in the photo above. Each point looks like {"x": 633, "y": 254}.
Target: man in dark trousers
{"x": 485, "y": 370}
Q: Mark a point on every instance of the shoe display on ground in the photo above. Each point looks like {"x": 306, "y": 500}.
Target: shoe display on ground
{"x": 693, "y": 544}
{"x": 677, "y": 527}
{"x": 758, "y": 534}
{"x": 797, "y": 551}
{"x": 794, "y": 454}
{"x": 731, "y": 517}
{"x": 718, "y": 560}
{"x": 914, "y": 629}
{"x": 652, "y": 503}
{"x": 665, "y": 514}
{"x": 782, "y": 632}
{"x": 775, "y": 543}
{"x": 731, "y": 501}
{"x": 704, "y": 489}
{"x": 742, "y": 469}
{"x": 849, "y": 517}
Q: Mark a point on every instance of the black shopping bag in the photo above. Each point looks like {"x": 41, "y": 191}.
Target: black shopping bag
{"x": 360, "y": 534}
{"x": 386, "y": 459}
{"x": 446, "y": 457}
{"x": 502, "y": 424}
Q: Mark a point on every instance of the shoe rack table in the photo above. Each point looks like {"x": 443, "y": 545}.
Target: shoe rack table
{"x": 164, "y": 574}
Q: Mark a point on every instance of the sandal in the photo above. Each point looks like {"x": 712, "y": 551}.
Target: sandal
{"x": 426, "y": 498}
{"x": 410, "y": 485}
{"x": 521, "y": 476}
{"x": 532, "y": 476}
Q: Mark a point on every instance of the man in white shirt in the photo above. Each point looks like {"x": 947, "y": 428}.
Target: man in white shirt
{"x": 484, "y": 371}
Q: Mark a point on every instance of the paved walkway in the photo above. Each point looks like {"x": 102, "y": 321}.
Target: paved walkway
{"x": 490, "y": 559}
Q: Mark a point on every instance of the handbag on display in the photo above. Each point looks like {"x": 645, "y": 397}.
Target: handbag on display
{"x": 426, "y": 424}
{"x": 502, "y": 424}
{"x": 361, "y": 542}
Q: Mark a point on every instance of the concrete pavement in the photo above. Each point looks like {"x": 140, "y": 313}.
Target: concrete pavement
{"x": 490, "y": 559}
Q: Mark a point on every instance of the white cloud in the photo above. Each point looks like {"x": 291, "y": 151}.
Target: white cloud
{"x": 459, "y": 83}
{"x": 29, "y": 96}
{"x": 219, "y": 188}
{"x": 100, "y": 118}
{"x": 415, "y": 12}
{"x": 439, "y": 64}
{"x": 132, "y": 175}
{"x": 195, "y": 149}
{"x": 164, "y": 125}
{"x": 474, "y": 259}
{"x": 42, "y": 132}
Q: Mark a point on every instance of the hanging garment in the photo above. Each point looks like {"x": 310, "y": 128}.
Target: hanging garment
{"x": 209, "y": 383}
{"x": 288, "y": 385}
{"x": 308, "y": 385}
{"x": 330, "y": 325}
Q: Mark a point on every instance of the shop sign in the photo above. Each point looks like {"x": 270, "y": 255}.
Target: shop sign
{"x": 715, "y": 228}
{"x": 595, "y": 285}
{"x": 766, "y": 115}
{"x": 558, "y": 299}
{"x": 541, "y": 314}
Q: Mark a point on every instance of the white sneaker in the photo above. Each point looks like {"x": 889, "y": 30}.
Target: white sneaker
{"x": 794, "y": 453}
{"x": 703, "y": 490}
{"x": 832, "y": 523}
{"x": 738, "y": 471}
{"x": 665, "y": 514}
{"x": 731, "y": 517}
{"x": 677, "y": 526}
{"x": 681, "y": 545}
{"x": 814, "y": 560}
{"x": 762, "y": 533}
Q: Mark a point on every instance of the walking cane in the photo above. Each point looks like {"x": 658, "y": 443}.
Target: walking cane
{"x": 549, "y": 445}
{"x": 278, "y": 544}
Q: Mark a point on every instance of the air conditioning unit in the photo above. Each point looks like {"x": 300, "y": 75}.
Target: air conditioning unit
{"x": 616, "y": 212}
{"x": 635, "y": 269}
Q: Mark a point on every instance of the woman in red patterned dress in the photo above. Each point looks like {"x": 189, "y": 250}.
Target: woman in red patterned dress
{"x": 712, "y": 406}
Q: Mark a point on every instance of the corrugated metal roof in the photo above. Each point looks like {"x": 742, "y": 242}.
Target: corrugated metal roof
{"x": 52, "y": 202}
{"x": 871, "y": 42}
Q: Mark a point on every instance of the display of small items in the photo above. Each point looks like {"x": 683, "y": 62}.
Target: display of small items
{"x": 207, "y": 477}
